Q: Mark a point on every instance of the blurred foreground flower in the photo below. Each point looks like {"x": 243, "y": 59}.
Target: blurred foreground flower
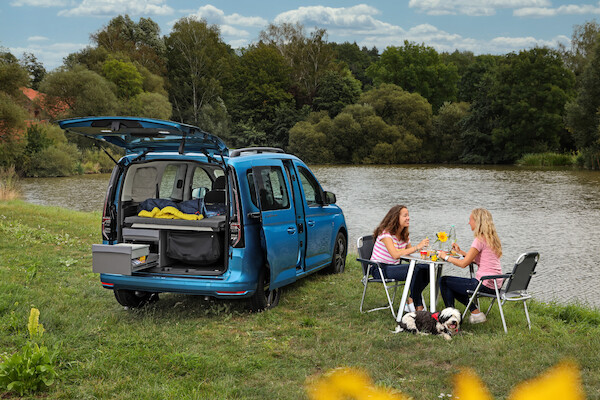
{"x": 348, "y": 383}
{"x": 563, "y": 382}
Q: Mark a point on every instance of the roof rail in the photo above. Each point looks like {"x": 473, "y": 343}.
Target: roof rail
{"x": 254, "y": 150}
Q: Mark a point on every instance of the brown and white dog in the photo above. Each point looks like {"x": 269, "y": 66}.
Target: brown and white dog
{"x": 445, "y": 322}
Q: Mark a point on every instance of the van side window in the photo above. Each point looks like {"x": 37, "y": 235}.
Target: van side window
{"x": 201, "y": 183}
{"x": 167, "y": 181}
{"x": 311, "y": 189}
{"x": 250, "y": 177}
{"x": 272, "y": 188}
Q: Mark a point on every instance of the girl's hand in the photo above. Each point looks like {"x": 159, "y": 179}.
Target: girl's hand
{"x": 424, "y": 242}
{"x": 442, "y": 254}
{"x": 455, "y": 247}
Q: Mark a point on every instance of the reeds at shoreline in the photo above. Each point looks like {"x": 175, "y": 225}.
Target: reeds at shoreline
{"x": 10, "y": 185}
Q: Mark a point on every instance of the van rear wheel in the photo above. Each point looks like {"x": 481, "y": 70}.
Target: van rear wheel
{"x": 134, "y": 298}
{"x": 264, "y": 298}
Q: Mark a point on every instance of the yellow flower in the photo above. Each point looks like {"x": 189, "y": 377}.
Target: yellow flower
{"x": 434, "y": 258}
{"x": 442, "y": 236}
{"x": 34, "y": 327}
{"x": 346, "y": 384}
{"x": 563, "y": 382}
{"x": 559, "y": 383}
{"x": 468, "y": 386}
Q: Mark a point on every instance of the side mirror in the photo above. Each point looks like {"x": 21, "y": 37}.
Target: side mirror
{"x": 329, "y": 197}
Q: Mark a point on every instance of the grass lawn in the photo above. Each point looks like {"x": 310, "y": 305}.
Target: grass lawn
{"x": 188, "y": 348}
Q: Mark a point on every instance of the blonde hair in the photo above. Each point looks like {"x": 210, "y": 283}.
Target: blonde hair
{"x": 486, "y": 230}
{"x": 391, "y": 224}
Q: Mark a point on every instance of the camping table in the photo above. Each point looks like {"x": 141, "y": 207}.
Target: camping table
{"x": 435, "y": 271}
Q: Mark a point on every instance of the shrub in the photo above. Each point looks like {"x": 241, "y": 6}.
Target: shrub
{"x": 31, "y": 369}
{"x": 59, "y": 160}
{"x": 10, "y": 186}
{"x": 547, "y": 159}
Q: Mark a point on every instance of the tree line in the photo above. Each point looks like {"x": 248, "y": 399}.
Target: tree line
{"x": 324, "y": 101}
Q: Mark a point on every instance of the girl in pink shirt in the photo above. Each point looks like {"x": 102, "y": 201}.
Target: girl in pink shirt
{"x": 485, "y": 251}
{"x": 391, "y": 243}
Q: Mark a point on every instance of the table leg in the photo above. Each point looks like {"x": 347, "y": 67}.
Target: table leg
{"x": 437, "y": 279}
{"x": 432, "y": 287}
{"x": 409, "y": 276}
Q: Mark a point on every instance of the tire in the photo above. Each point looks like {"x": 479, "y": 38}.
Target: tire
{"x": 338, "y": 260}
{"x": 133, "y": 298}
{"x": 263, "y": 298}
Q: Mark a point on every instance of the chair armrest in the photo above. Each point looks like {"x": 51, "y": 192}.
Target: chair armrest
{"x": 487, "y": 277}
{"x": 369, "y": 261}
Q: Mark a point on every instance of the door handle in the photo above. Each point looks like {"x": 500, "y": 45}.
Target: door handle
{"x": 291, "y": 230}
{"x": 310, "y": 223}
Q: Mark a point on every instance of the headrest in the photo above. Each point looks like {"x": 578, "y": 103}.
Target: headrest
{"x": 215, "y": 196}
{"x": 219, "y": 183}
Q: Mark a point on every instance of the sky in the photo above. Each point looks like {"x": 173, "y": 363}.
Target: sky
{"x": 52, "y": 29}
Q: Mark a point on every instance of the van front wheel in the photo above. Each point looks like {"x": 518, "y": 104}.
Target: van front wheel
{"x": 264, "y": 298}
{"x": 134, "y": 298}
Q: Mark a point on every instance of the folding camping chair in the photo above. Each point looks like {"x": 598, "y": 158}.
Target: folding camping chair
{"x": 514, "y": 287}
{"x": 365, "y": 249}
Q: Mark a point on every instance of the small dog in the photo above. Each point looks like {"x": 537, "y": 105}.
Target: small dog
{"x": 445, "y": 322}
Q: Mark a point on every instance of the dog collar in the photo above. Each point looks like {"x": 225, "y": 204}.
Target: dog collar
{"x": 435, "y": 316}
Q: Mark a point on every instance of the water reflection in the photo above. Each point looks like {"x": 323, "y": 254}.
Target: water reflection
{"x": 553, "y": 211}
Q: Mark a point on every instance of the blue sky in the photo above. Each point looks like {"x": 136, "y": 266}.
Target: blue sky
{"x": 51, "y": 29}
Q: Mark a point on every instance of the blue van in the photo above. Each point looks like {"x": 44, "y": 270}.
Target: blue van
{"x": 185, "y": 214}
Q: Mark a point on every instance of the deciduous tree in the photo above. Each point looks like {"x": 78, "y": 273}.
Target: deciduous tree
{"x": 197, "y": 60}
{"x": 417, "y": 68}
{"x": 79, "y": 92}
{"x": 309, "y": 56}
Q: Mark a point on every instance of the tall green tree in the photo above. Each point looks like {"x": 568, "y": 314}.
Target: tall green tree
{"x": 140, "y": 41}
{"x": 336, "y": 90}
{"x": 473, "y": 73}
{"x": 79, "y": 92}
{"x": 530, "y": 94}
{"x": 583, "y": 41}
{"x": 34, "y": 68}
{"x": 447, "y": 130}
{"x": 261, "y": 84}
{"x": 197, "y": 60}
{"x": 410, "y": 112}
{"x": 12, "y": 113}
{"x": 417, "y": 68}
{"x": 308, "y": 55}
{"x": 12, "y": 75}
{"x": 583, "y": 112}
{"x": 357, "y": 59}
{"x": 125, "y": 76}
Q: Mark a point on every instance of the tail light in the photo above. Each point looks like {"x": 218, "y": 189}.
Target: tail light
{"x": 234, "y": 234}
{"x": 107, "y": 221}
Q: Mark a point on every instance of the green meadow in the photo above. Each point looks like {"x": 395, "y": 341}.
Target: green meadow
{"x": 186, "y": 347}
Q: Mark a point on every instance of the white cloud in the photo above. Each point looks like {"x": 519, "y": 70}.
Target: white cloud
{"x": 569, "y": 9}
{"x": 50, "y": 55}
{"x": 37, "y": 39}
{"x": 213, "y": 15}
{"x": 472, "y": 7}
{"x": 448, "y": 42}
{"x": 115, "y": 7}
{"x": 356, "y": 20}
{"x": 39, "y": 3}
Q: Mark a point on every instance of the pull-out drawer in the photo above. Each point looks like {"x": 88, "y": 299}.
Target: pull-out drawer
{"x": 122, "y": 258}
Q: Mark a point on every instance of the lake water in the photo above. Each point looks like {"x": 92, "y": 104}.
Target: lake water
{"x": 553, "y": 211}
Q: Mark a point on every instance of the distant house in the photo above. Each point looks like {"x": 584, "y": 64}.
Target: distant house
{"x": 37, "y": 106}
